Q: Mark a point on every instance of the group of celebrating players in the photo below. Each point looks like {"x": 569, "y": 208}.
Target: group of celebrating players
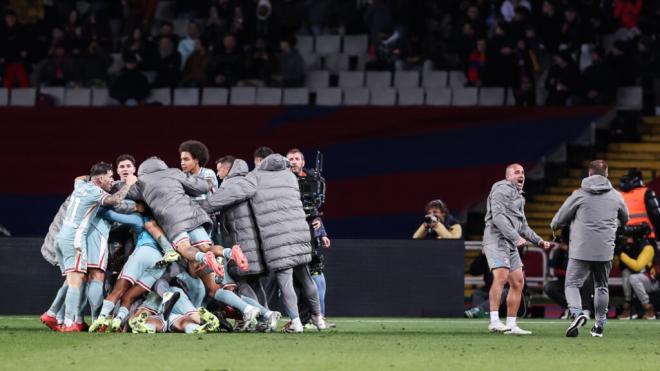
{"x": 158, "y": 245}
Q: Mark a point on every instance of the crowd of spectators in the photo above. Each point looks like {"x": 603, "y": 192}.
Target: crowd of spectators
{"x": 579, "y": 51}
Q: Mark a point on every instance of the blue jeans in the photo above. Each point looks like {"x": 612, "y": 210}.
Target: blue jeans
{"x": 319, "y": 280}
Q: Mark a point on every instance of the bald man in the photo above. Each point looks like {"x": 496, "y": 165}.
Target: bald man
{"x": 507, "y": 230}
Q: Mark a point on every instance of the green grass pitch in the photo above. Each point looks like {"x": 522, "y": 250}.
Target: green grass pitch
{"x": 356, "y": 344}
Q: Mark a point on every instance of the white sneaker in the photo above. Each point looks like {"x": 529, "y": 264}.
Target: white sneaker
{"x": 251, "y": 313}
{"x": 292, "y": 328}
{"x": 319, "y": 322}
{"x": 272, "y": 318}
{"x": 515, "y": 330}
{"x": 497, "y": 327}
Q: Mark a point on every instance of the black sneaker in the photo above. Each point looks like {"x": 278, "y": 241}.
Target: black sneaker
{"x": 597, "y": 332}
{"x": 169, "y": 299}
{"x": 574, "y": 329}
{"x": 224, "y": 324}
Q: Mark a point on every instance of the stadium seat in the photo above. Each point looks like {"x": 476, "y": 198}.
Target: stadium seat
{"x": 241, "y": 96}
{"x": 510, "y": 98}
{"x": 541, "y": 95}
{"x": 160, "y": 95}
{"x": 311, "y": 61}
{"x": 151, "y": 76}
{"x": 269, "y": 96}
{"x": 457, "y": 79}
{"x": 328, "y": 97}
{"x": 383, "y": 97}
{"x": 356, "y": 44}
{"x": 214, "y": 96}
{"x": 406, "y": 79}
{"x": 317, "y": 80}
{"x": 379, "y": 79}
{"x": 165, "y": 10}
{"x": 629, "y": 98}
{"x": 351, "y": 79}
{"x": 180, "y": 25}
{"x": 434, "y": 79}
{"x": 491, "y": 96}
{"x": 411, "y": 96}
{"x": 296, "y": 96}
{"x": 54, "y": 91}
{"x": 326, "y": 44}
{"x": 100, "y": 97}
{"x": 117, "y": 64}
{"x": 305, "y": 44}
{"x": 332, "y": 62}
{"x": 24, "y": 97}
{"x": 4, "y": 96}
{"x": 78, "y": 97}
{"x": 352, "y": 62}
{"x": 535, "y": 262}
{"x": 356, "y": 96}
{"x": 465, "y": 96}
{"x": 438, "y": 96}
{"x": 186, "y": 97}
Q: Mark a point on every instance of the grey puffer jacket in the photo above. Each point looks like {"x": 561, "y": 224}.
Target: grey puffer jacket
{"x": 284, "y": 232}
{"x": 49, "y": 247}
{"x": 594, "y": 212}
{"x": 233, "y": 200}
{"x": 167, "y": 192}
{"x": 505, "y": 217}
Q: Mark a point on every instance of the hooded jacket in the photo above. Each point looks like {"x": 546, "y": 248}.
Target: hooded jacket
{"x": 167, "y": 192}
{"x": 284, "y": 232}
{"x": 232, "y": 201}
{"x": 505, "y": 217}
{"x": 594, "y": 212}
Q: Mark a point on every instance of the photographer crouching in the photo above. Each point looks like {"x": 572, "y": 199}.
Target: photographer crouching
{"x": 636, "y": 255}
{"x": 438, "y": 223}
{"x": 312, "y": 192}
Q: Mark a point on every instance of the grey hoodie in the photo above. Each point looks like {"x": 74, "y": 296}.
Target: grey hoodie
{"x": 505, "y": 217}
{"x": 232, "y": 200}
{"x": 167, "y": 192}
{"x": 594, "y": 212}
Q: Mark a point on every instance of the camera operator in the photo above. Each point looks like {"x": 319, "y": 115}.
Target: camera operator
{"x": 319, "y": 235}
{"x": 641, "y": 201}
{"x": 636, "y": 255}
{"x": 438, "y": 223}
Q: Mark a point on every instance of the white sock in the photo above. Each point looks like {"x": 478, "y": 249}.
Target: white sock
{"x": 494, "y": 316}
{"x": 510, "y": 322}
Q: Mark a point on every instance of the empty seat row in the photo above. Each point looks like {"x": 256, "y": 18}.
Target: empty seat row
{"x": 327, "y": 44}
{"x": 627, "y": 97}
{"x": 441, "y": 96}
{"x": 27, "y": 97}
{"x": 383, "y": 79}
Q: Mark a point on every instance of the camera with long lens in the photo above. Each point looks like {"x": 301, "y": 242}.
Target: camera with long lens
{"x": 636, "y": 231}
{"x": 312, "y": 189}
{"x": 430, "y": 219}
